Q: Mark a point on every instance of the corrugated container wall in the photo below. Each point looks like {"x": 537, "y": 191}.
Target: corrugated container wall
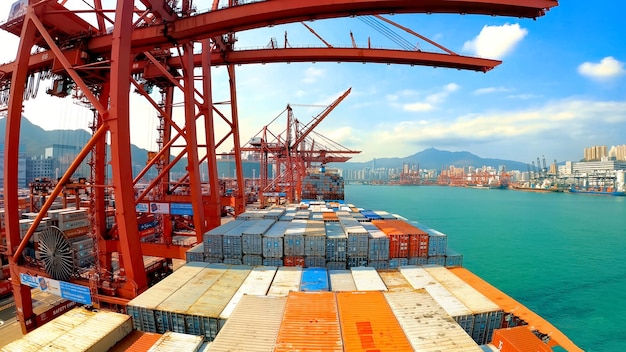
{"x": 213, "y": 239}
{"x": 367, "y": 329}
{"x": 315, "y": 239}
{"x": 336, "y": 242}
{"x": 286, "y": 279}
{"x": 252, "y": 327}
{"x": 294, "y": 239}
{"x": 341, "y": 280}
{"x": 518, "y": 339}
{"x": 367, "y": 279}
{"x": 314, "y": 279}
{"x": 378, "y": 243}
{"x": 427, "y": 326}
{"x": 310, "y": 323}
{"x": 252, "y": 237}
{"x": 172, "y": 341}
{"x": 273, "y": 241}
{"x": 257, "y": 283}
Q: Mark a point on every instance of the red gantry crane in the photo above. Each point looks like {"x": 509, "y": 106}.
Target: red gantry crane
{"x": 101, "y": 55}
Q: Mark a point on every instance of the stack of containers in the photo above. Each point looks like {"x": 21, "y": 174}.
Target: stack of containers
{"x": 147, "y": 225}
{"x": 253, "y": 215}
{"x": 488, "y": 316}
{"x": 398, "y": 242}
{"x": 171, "y": 313}
{"x": 74, "y": 222}
{"x": 142, "y": 308}
{"x": 518, "y": 339}
{"x": 310, "y": 323}
{"x": 384, "y": 215}
{"x": 204, "y": 314}
{"x": 329, "y": 186}
{"x": 252, "y": 241}
{"x": 330, "y": 216}
{"x": 287, "y": 279}
{"x": 214, "y": 241}
{"x": 427, "y": 326}
{"x": 419, "y": 278}
{"x": 303, "y": 214}
{"x": 314, "y": 279}
{"x": 370, "y": 215}
{"x": 357, "y": 244}
{"x": 437, "y": 243}
{"x": 84, "y": 252}
{"x": 364, "y": 328}
{"x": 453, "y": 258}
{"x": 252, "y": 326}
{"x": 341, "y": 280}
{"x": 232, "y": 244}
{"x": 273, "y": 244}
{"x": 378, "y": 247}
{"x": 395, "y": 281}
{"x": 274, "y": 214}
{"x": 294, "y": 243}
{"x": 367, "y": 279}
{"x": 336, "y": 242}
{"x": 288, "y": 216}
{"x": 315, "y": 244}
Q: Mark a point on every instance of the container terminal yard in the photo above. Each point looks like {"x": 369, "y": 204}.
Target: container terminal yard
{"x": 110, "y": 242}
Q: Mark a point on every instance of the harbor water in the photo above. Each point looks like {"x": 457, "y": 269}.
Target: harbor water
{"x": 562, "y": 255}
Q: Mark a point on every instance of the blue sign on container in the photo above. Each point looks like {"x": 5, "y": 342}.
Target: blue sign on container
{"x": 314, "y": 279}
{"x": 76, "y": 293}
{"x": 181, "y": 209}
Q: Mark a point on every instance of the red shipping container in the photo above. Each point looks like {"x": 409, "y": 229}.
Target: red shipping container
{"x": 294, "y": 261}
{"x": 418, "y": 245}
{"x": 6, "y": 272}
{"x": 518, "y": 339}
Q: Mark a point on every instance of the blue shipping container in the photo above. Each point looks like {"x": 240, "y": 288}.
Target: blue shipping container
{"x": 314, "y": 279}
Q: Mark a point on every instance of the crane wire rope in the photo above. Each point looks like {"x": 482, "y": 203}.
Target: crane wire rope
{"x": 387, "y": 32}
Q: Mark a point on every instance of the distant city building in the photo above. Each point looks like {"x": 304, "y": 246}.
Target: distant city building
{"x": 21, "y": 167}
{"x": 596, "y": 153}
{"x": 65, "y": 154}
{"x": 40, "y": 167}
{"x": 618, "y": 152}
{"x": 591, "y": 167}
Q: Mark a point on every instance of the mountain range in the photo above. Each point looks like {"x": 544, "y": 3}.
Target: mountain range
{"x": 34, "y": 140}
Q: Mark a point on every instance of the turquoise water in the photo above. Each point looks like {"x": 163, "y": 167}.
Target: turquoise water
{"x": 562, "y": 255}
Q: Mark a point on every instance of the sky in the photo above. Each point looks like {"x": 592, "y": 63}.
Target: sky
{"x": 561, "y": 86}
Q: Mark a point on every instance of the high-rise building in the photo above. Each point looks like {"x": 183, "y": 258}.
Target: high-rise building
{"x": 618, "y": 152}
{"x": 21, "y": 167}
{"x": 40, "y": 167}
{"x": 596, "y": 153}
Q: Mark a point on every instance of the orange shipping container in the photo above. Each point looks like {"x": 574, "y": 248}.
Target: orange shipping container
{"x": 330, "y": 216}
{"x": 310, "y": 323}
{"x": 368, "y": 324}
{"x": 518, "y": 339}
{"x": 294, "y": 261}
{"x": 136, "y": 341}
{"x": 405, "y": 240}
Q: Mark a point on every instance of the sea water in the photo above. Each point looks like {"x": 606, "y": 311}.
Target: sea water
{"x": 562, "y": 255}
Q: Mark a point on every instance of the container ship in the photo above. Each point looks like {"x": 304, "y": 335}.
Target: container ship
{"x": 317, "y": 275}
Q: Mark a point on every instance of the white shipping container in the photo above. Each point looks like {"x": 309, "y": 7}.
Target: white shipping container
{"x": 341, "y": 280}
{"x": 172, "y": 341}
{"x": 427, "y": 326}
{"x": 395, "y": 281}
{"x": 257, "y": 283}
{"x": 252, "y": 327}
{"x": 287, "y": 279}
{"x": 367, "y": 279}
{"x": 70, "y": 215}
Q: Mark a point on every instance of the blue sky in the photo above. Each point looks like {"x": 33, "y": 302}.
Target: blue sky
{"x": 561, "y": 87}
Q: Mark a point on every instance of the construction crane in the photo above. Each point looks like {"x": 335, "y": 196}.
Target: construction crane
{"x": 288, "y": 155}
{"x": 151, "y": 45}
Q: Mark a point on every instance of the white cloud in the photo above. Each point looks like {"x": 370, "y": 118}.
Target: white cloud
{"x": 312, "y": 74}
{"x": 607, "y": 68}
{"x": 496, "y": 41}
{"x": 489, "y": 90}
{"x": 432, "y": 100}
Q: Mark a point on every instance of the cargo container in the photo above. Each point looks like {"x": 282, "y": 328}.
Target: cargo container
{"x": 330, "y": 216}
{"x": 427, "y": 326}
{"x": 487, "y": 315}
{"x": 378, "y": 243}
{"x": 286, "y": 279}
{"x": 142, "y": 308}
{"x": 453, "y": 258}
{"x": 172, "y": 341}
{"x": 518, "y": 339}
{"x": 314, "y": 262}
{"x": 437, "y": 243}
{"x": 379, "y": 264}
{"x": 293, "y": 261}
{"x": 314, "y": 279}
{"x": 438, "y": 260}
{"x": 395, "y": 281}
{"x": 252, "y": 237}
{"x": 274, "y": 214}
{"x": 231, "y": 241}
{"x": 253, "y": 325}
{"x": 136, "y": 341}
{"x": 395, "y": 263}
{"x": 418, "y": 261}
{"x": 315, "y": 239}
{"x": 203, "y": 316}
{"x": 336, "y": 242}
{"x": 294, "y": 238}
{"x": 213, "y": 239}
{"x": 371, "y": 215}
{"x": 419, "y": 278}
{"x": 367, "y": 279}
{"x": 252, "y": 260}
{"x": 195, "y": 254}
{"x": 364, "y": 328}
{"x": 171, "y": 312}
{"x": 77, "y": 330}
{"x": 273, "y": 243}
{"x": 310, "y": 323}
{"x": 341, "y": 280}
{"x": 273, "y": 262}
{"x": 257, "y": 283}
{"x": 336, "y": 265}
{"x": 405, "y": 240}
